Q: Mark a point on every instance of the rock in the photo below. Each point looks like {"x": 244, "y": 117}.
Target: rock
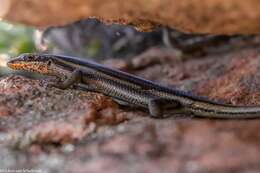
{"x": 207, "y": 16}
{"x": 77, "y": 131}
{"x": 47, "y": 115}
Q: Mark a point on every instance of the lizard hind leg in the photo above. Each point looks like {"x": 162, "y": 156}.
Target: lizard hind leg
{"x": 159, "y": 106}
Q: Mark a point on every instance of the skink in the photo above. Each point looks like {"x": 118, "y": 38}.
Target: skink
{"x": 127, "y": 89}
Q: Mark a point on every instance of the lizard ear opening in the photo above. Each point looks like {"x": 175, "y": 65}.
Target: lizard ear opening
{"x": 49, "y": 62}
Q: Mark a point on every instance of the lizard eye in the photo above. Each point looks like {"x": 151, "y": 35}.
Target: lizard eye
{"x": 30, "y": 58}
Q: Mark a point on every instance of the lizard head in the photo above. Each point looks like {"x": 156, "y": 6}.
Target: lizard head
{"x": 31, "y": 62}
{"x": 40, "y": 63}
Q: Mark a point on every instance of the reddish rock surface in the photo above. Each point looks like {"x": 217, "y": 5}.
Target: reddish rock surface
{"x": 75, "y": 131}
{"x": 204, "y": 16}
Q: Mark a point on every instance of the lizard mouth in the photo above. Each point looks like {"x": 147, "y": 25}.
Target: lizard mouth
{"x": 29, "y": 66}
{"x": 15, "y": 66}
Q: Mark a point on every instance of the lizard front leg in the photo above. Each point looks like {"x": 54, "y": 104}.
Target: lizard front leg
{"x": 75, "y": 77}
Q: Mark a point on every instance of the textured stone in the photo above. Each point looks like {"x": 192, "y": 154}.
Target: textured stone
{"x": 74, "y": 131}
{"x": 204, "y": 16}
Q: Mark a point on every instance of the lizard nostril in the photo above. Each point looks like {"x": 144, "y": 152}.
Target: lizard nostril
{"x": 9, "y": 64}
